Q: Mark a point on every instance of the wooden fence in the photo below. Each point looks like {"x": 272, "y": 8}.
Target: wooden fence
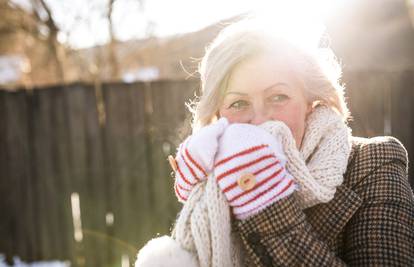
{"x": 108, "y": 145}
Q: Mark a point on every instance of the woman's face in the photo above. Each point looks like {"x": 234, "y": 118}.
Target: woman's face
{"x": 259, "y": 90}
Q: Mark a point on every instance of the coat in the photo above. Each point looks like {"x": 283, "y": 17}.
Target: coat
{"x": 369, "y": 222}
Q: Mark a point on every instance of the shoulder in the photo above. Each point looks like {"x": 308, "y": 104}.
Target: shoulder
{"x": 369, "y": 154}
{"x": 380, "y": 149}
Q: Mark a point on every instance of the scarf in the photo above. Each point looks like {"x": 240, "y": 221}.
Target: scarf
{"x": 202, "y": 235}
{"x": 320, "y": 163}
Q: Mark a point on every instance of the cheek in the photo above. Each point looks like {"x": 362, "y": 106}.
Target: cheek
{"x": 234, "y": 117}
{"x": 294, "y": 116}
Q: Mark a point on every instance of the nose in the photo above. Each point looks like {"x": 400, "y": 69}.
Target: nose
{"x": 260, "y": 116}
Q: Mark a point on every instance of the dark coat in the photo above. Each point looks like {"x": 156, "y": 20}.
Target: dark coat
{"x": 369, "y": 222}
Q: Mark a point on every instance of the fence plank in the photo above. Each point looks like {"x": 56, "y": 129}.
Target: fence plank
{"x": 18, "y": 160}
{"x": 403, "y": 114}
{"x": 117, "y": 146}
{"x": 78, "y": 169}
{"x": 139, "y": 183}
{"x": 6, "y": 203}
{"x": 41, "y": 174}
{"x": 95, "y": 184}
{"x": 62, "y": 167}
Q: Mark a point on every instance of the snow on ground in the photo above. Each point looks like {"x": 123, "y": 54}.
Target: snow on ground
{"x": 19, "y": 263}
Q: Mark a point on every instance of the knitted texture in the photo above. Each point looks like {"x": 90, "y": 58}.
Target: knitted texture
{"x": 250, "y": 169}
{"x": 195, "y": 157}
{"x": 203, "y": 227}
{"x": 320, "y": 163}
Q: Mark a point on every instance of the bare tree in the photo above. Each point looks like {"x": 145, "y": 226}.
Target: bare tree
{"x": 113, "y": 60}
{"x": 40, "y": 7}
{"x": 37, "y": 22}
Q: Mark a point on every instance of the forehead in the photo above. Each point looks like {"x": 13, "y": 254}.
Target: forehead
{"x": 261, "y": 72}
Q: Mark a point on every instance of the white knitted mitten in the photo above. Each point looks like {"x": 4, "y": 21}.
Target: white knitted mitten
{"x": 195, "y": 157}
{"x": 250, "y": 169}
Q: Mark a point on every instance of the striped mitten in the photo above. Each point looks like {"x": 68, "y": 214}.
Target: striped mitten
{"x": 250, "y": 169}
{"x": 195, "y": 157}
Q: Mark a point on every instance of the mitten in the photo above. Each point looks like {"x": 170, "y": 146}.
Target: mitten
{"x": 195, "y": 157}
{"x": 250, "y": 169}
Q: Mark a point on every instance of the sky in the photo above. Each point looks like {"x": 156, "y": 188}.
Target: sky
{"x": 168, "y": 17}
{"x": 84, "y": 23}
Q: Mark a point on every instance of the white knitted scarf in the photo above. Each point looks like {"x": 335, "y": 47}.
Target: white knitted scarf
{"x": 320, "y": 163}
{"x": 203, "y": 227}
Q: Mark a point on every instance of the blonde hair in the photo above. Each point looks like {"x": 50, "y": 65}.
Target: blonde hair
{"x": 316, "y": 67}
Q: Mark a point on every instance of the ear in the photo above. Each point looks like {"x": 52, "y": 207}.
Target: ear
{"x": 218, "y": 114}
{"x": 216, "y": 117}
{"x": 309, "y": 108}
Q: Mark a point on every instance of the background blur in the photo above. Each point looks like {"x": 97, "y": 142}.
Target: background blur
{"x": 92, "y": 100}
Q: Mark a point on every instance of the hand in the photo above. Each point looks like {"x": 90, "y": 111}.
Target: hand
{"x": 195, "y": 157}
{"x": 250, "y": 169}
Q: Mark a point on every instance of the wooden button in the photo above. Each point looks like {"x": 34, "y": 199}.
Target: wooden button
{"x": 173, "y": 163}
{"x": 247, "y": 181}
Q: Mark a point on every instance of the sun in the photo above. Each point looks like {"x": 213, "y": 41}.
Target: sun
{"x": 302, "y": 22}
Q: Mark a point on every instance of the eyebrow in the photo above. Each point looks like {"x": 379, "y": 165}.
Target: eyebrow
{"x": 270, "y": 87}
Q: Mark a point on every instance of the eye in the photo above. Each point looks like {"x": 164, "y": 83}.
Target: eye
{"x": 239, "y": 104}
{"x": 278, "y": 98}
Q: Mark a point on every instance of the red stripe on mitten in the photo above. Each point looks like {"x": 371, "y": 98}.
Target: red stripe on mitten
{"x": 195, "y": 157}
{"x": 250, "y": 169}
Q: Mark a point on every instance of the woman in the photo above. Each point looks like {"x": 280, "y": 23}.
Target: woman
{"x": 350, "y": 202}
